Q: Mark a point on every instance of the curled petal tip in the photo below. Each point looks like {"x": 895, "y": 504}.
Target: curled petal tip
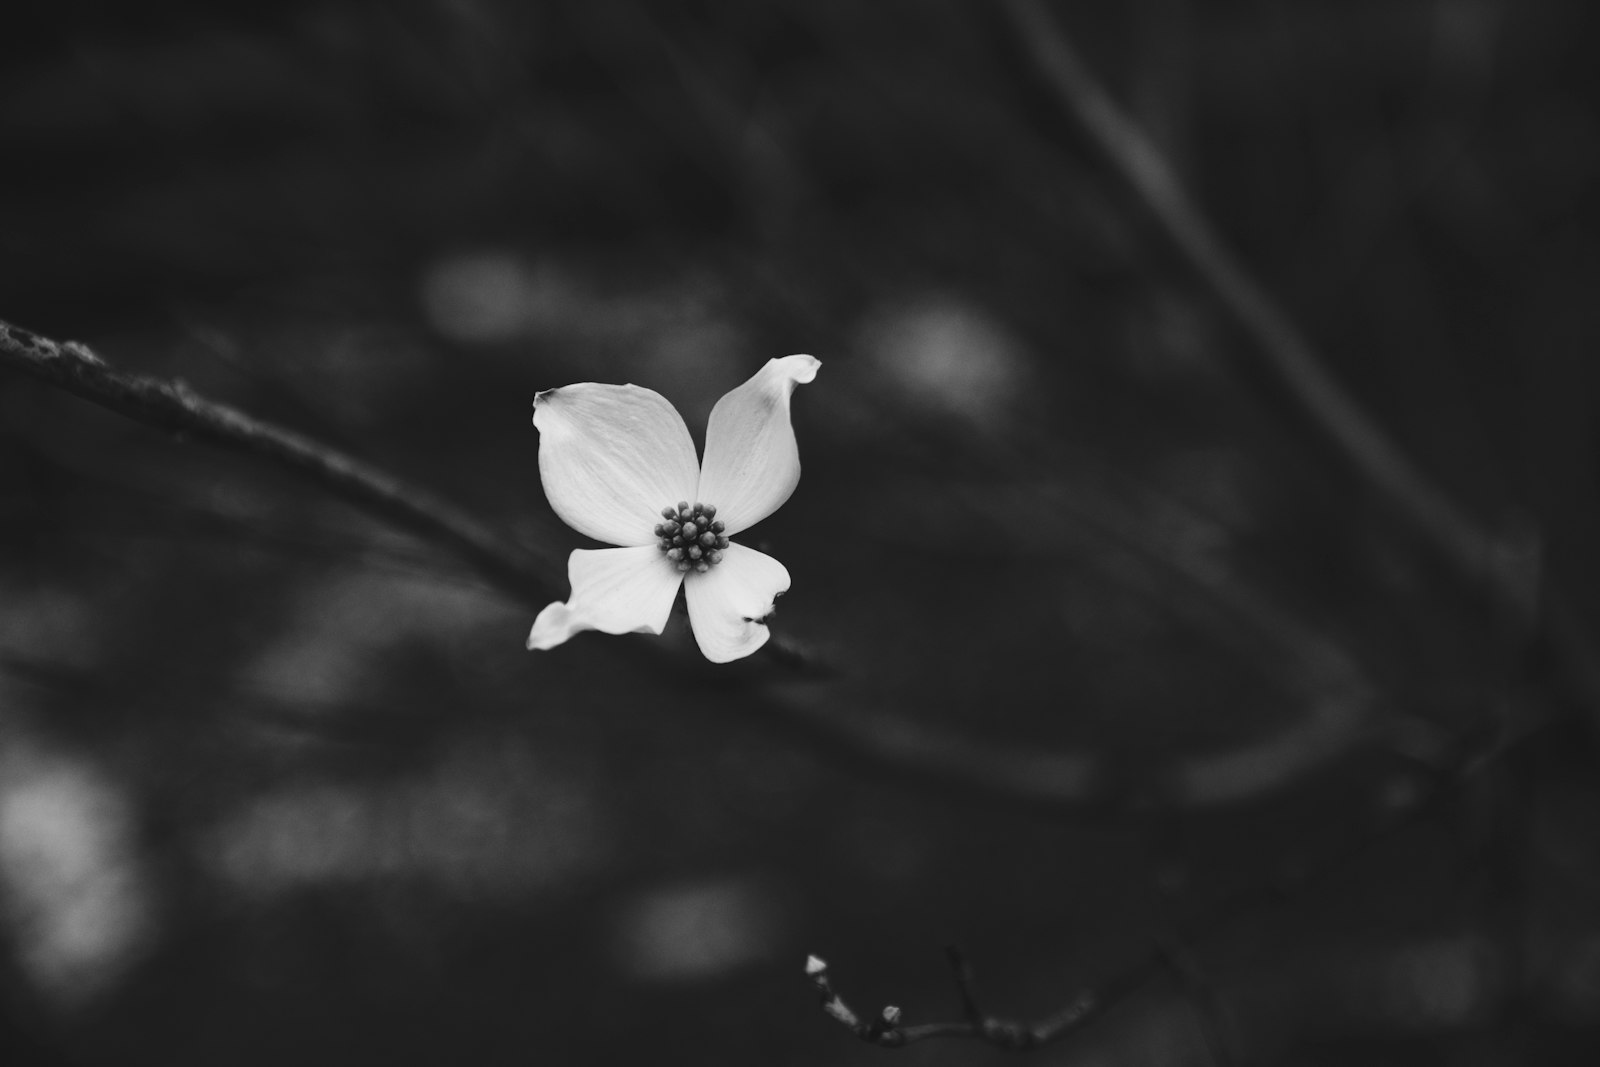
{"x": 800, "y": 367}
{"x": 752, "y": 462}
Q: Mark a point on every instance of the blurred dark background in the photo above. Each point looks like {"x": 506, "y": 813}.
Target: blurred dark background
{"x": 279, "y": 783}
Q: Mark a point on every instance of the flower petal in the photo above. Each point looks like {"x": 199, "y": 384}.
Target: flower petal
{"x": 611, "y": 457}
{"x": 614, "y": 590}
{"x": 752, "y": 464}
{"x": 727, "y": 602}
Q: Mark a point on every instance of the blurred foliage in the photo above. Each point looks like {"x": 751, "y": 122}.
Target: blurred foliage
{"x": 276, "y": 782}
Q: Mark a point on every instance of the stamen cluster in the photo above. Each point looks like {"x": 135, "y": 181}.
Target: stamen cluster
{"x": 692, "y": 538}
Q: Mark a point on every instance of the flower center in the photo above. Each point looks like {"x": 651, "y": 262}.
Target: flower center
{"x": 691, "y": 537}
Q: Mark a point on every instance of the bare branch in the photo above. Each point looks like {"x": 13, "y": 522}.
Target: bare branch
{"x": 173, "y": 406}
{"x": 1207, "y": 1004}
{"x": 886, "y": 1030}
{"x": 878, "y": 1031}
{"x": 1172, "y": 955}
{"x": 1470, "y": 549}
{"x": 1284, "y": 351}
{"x": 964, "y": 984}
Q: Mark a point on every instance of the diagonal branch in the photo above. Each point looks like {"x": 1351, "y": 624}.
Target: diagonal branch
{"x": 1208, "y": 1008}
{"x": 173, "y": 406}
{"x": 1285, "y": 353}
{"x": 1137, "y": 163}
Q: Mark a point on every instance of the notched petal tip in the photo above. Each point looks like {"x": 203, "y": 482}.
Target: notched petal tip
{"x": 729, "y": 603}
{"x": 541, "y": 397}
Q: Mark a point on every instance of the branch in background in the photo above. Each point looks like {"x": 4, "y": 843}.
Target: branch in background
{"x": 1209, "y": 1013}
{"x": 886, "y": 1022}
{"x": 1462, "y": 542}
{"x": 1172, "y": 956}
{"x": 886, "y": 1030}
{"x": 1139, "y": 166}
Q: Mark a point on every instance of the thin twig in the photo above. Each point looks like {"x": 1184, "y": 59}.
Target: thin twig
{"x": 884, "y": 1023}
{"x": 1203, "y": 997}
{"x": 1090, "y": 1005}
{"x": 977, "y": 1025}
{"x": 964, "y": 984}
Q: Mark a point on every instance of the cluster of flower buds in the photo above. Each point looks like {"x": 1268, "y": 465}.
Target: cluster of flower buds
{"x": 692, "y": 538}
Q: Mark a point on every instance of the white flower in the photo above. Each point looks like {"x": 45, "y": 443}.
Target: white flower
{"x": 618, "y": 465}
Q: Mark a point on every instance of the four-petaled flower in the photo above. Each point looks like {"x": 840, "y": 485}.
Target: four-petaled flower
{"x": 618, "y": 465}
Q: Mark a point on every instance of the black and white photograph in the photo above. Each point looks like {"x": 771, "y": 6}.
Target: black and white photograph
{"x": 800, "y": 533}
